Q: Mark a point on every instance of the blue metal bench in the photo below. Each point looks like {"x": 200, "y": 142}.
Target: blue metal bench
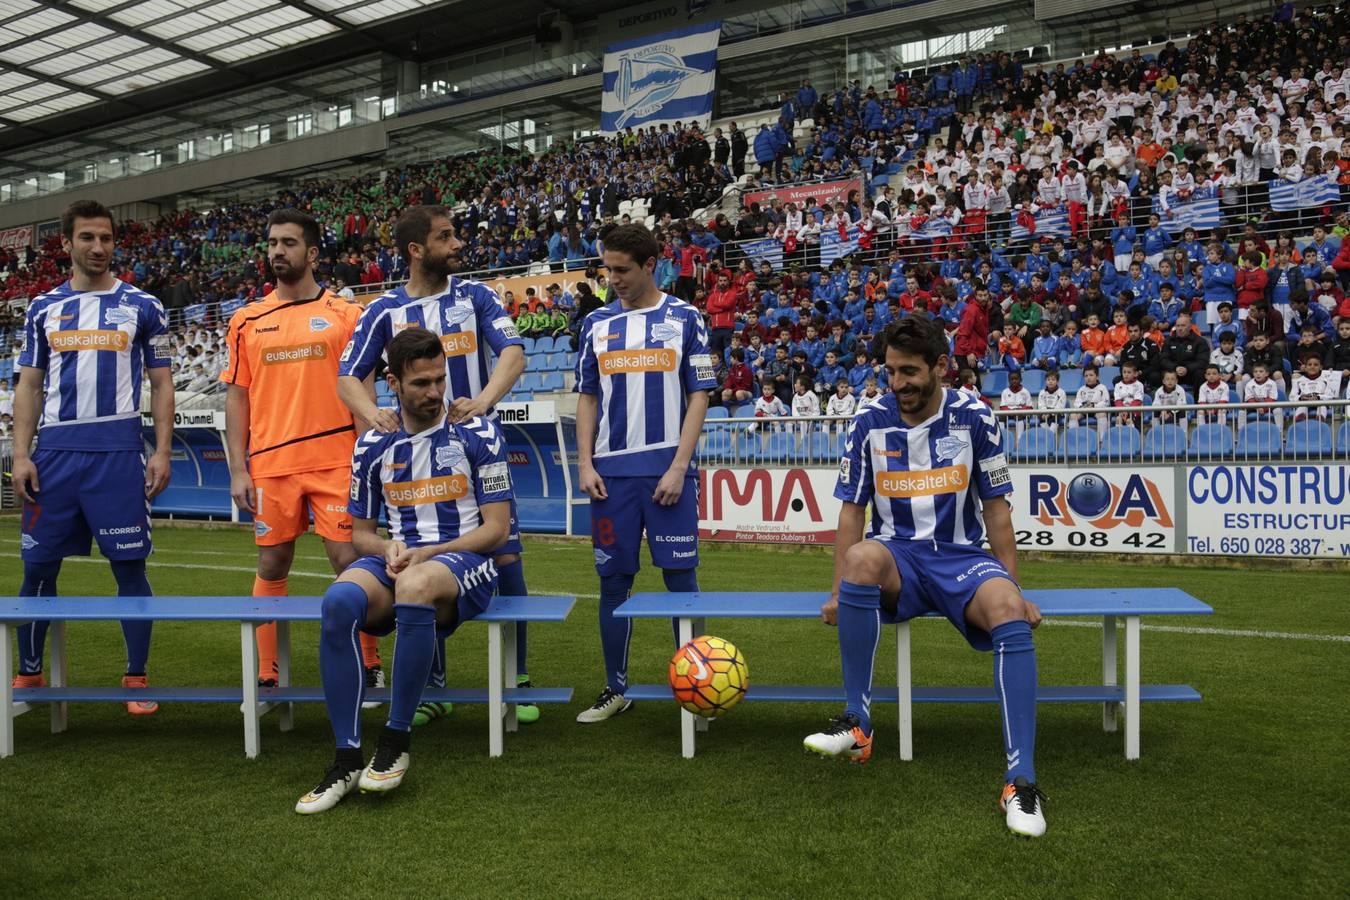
{"x": 693, "y": 609}
{"x": 250, "y": 612}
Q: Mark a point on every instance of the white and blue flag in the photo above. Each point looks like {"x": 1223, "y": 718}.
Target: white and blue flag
{"x": 1200, "y": 212}
{"x": 833, "y": 247}
{"x": 664, "y": 78}
{"x": 1052, "y": 222}
{"x": 1316, "y": 191}
{"x": 765, "y": 250}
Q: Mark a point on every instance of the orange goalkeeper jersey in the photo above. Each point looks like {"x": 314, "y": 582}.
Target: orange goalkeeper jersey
{"x": 286, "y": 354}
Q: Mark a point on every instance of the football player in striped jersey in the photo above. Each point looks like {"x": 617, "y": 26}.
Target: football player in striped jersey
{"x": 446, "y": 489}
{"x": 930, "y": 462}
{"x": 87, "y": 344}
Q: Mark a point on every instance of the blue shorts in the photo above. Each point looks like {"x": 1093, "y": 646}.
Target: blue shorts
{"x": 476, "y": 575}
{"x": 942, "y": 578}
{"x": 618, "y": 521}
{"x": 512, "y": 544}
{"x": 85, "y": 496}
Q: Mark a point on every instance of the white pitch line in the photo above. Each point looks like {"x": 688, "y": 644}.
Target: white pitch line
{"x": 1222, "y": 632}
{"x": 252, "y": 570}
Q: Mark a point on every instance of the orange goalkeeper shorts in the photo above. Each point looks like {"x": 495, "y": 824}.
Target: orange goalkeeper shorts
{"x": 284, "y": 505}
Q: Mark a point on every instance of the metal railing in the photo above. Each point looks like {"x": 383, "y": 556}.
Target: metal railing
{"x": 1191, "y": 433}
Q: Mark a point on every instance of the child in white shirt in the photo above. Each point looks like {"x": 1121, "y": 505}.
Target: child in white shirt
{"x": 1261, "y": 389}
{"x": 1092, "y": 395}
{"x": 1213, "y": 391}
{"x": 1015, "y": 396}
{"x": 1313, "y": 384}
{"x": 804, "y": 401}
{"x": 1051, "y": 399}
{"x": 1169, "y": 395}
{"x": 841, "y": 402}
{"x": 768, "y": 403}
{"x": 1129, "y": 392}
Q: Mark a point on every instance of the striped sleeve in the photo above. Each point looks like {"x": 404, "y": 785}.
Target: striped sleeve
{"x": 365, "y": 499}
{"x": 362, "y": 354}
{"x": 236, "y": 369}
{"x": 35, "y": 350}
{"x": 588, "y": 367}
{"x": 855, "y": 476}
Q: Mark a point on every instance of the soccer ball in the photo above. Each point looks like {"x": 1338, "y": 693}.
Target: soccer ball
{"x": 708, "y": 676}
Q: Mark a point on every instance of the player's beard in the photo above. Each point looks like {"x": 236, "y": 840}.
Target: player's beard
{"x": 920, "y": 397}
{"x": 435, "y": 268}
{"x": 91, "y": 268}
{"x": 286, "y": 273}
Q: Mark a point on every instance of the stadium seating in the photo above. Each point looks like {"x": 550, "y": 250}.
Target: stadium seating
{"x": 691, "y": 611}
{"x": 1164, "y": 443}
{"x": 1308, "y": 439}
{"x": 543, "y": 344}
{"x": 1258, "y": 440}
{"x": 717, "y": 445}
{"x": 1211, "y": 441}
{"x": 1070, "y": 380}
{"x": 780, "y": 447}
{"x": 1343, "y": 440}
{"x": 1037, "y": 444}
{"x": 717, "y": 412}
{"x": 825, "y": 447}
{"x": 1120, "y": 443}
{"x": 1033, "y": 380}
{"x": 993, "y": 383}
{"x": 1079, "y": 444}
{"x": 501, "y": 617}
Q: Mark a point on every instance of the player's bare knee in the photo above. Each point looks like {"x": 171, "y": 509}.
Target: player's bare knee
{"x": 1001, "y": 603}
{"x": 274, "y": 562}
{"x": 414, "y": 585}
{"x": 865, "y": 562}
{"x": 506, "y": 559}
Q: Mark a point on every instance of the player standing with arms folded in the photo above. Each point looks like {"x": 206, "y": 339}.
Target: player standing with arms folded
{"x": 289, "y": 436}
{"x": 930, "y": 462}
{"x": 446, "y": 487}
{"x": 643, "y": 376}
{"x": 471, "y": 323}
{"x": 86, "y": 345}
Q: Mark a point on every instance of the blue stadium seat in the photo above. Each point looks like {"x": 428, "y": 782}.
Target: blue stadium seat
{"x": 1212, "y": 441}
{"x": 1164, "y": 443}
{"x": 744, "y": 411}
{"x": 781, "y": 447}
{"x": 822, "y": 446}
{"x": 1036, "y": 445}
{"x": 1343, "y": 440}
{"x": 571, "y": 360}
{"x": 1070, "y": 380}
{"x": 717, "y": 444}
{"x": 1108, "y": 375}
{"x": 530, "y": 381}
{"x": 717, "y": 412}
{"x": 1198, "y": 320}
{"x": 557, "y": 362}
{"x": 563, "y": 343}
{"x": 1079, "y": 444}
{"x": 552, "y": 381}
{"x": 747, "y": 446}
{"x": 1120, "y": 443}
{"x": 993, "y": 383}
{"x": 521, "y": 397}
{"x": 1258, "y": 439}
{"x": 534, "y": 362}
{"x": 529, "y": 345}
{"x": 1308, "y": 438}
{"x": 1033, "y": 380}
{"x": 543, "y": 344}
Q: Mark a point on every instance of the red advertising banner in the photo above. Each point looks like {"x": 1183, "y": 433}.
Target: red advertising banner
{"x": 14, "y": 238}
{"x": 767, "y": 506}
{"x": 824, "y": 192}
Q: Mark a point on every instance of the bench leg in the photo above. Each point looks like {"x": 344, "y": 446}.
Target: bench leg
{"x": 1110, "y": 707}
{"x": 495, "y": 687}
{"x": 686, "y": 627}
{"x": 696, "y": 628}
{"x": 250, "y": 675}
{"x": 60, "y": 673}
{"x": 904, "y": 680}
{"x": 1131, "y": 687}
{"x": 6, "y": 691}
{"x": 287, "y": 713}
{"x": 509, "y": 671}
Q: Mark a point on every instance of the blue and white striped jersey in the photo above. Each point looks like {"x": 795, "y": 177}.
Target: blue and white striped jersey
{"x": 642, "y": 363}
{"x": 94, "y": 348}
{"x": 468, "y": 318}
{"x": 919, "y": 479}
{"x": 432, "y": 484}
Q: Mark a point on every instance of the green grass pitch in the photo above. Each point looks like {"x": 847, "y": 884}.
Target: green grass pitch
{"x": 1240, "y": 795}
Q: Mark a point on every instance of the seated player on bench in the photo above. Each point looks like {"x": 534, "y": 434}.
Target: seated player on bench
{"x": 447, "y": 489}
{"x": 930, "y": 462}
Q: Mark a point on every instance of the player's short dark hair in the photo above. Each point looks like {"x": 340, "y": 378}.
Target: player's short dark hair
{"x": 635, "y": 240}
{"x": 410, "y": 344}
{"x": 918, "y": 336}
{"x": 309, "y": 229}
{"x": 85, "y": 209}
{"x": 414, "y": 226}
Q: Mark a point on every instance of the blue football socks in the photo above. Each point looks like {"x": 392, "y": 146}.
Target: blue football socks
{"x": 680, "y": 581}
{"x": 511, "y": 583}
{"x": 39, "y": 580}
{"x": 341, "y": 666}
{"x": 413, "y": 651}
{"x": 859, "y": 630}
{"x": 1015, "y": 681}
{"x": 615, "y": 632}
{"x": 131, "y": 582}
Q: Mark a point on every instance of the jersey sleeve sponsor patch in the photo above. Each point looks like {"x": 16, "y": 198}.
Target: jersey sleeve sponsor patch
{"x": 495, "y": 478}
{"x": 506, "y": 327}
{"x": 996, "y": 470}
{"x": 703, "y": 367}
{"x": 161, "y": 345}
